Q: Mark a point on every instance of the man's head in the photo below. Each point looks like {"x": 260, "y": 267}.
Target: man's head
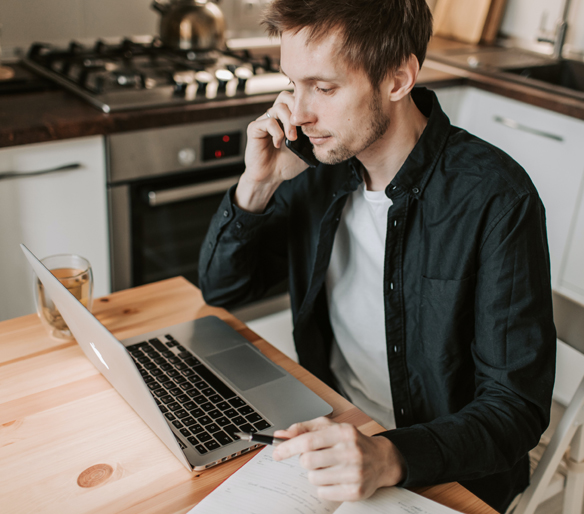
{"x": 376, "y": 36}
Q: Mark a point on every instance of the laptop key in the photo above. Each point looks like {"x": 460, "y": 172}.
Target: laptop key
{"x": 261, "y": 425}
{"x": 197, "y": 429}
{"x": 189, "y": 405}
{"x": 254, "y": 417}
{"x": 245, "y": 410}
{"x": 222, "y": 421}
{"x": 215, "y": 413}
{"x": 248, "y": 428}
{"x": 212, "y": 445}
{"x": 159, "y": 392}
{"x": 201, "y": 384}
{"x": 231, "y": 413}
{"x": 181, "y": 413}
{"x": 222, "y": 438}
{"x": 157, "y": 344}
{"x": 200, "y": 399}
{"x": 201, "y": 449}
{"x": 167, "y": 399}
{"x": 182, "y": 398}
{"x": 208, "y": 391}
{"x": 215, "y": 398}
{"x": 192, "y": 361}
{"x": 174, "y": 406}
{"x": 185, "y": 432}
{"x": 197, "y": 413}
{"x": 214, "y": 382}
{"x": 223, "y": 406}
{"x": 163, "y": 409}
{"x": 170, "y": 416}
{"x": 212, "y": 428}
{"x": 188, "y": 421}
{"x": 186, "y": 386}
{"x": 205, "y": 420}
{"x": 204, "y": 436}
{"x": 175, "y": 391}
{"x": 207, "y": 406}
{"x": 177, "y": 423}
{"x": 236, "y": 402}
{"x": 231, "y": 430}
{"x": 238, "y": 420}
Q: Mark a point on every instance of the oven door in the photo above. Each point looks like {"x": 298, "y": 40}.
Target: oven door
{"x": 167, "y": 223}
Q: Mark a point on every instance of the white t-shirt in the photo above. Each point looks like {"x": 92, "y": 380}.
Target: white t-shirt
{"x": 354, "y": 284}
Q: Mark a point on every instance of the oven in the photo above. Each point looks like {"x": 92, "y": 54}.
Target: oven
{"x": 164, "y": 185}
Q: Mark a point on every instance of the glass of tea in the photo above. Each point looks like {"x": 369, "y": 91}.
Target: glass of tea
{"x": 74, "y": 272}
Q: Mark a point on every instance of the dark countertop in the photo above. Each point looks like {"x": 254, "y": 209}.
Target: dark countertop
{"x": 58, "y": 114}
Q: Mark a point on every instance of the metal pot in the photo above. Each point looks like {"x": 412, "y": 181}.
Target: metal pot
{"x": 191, "y": 24}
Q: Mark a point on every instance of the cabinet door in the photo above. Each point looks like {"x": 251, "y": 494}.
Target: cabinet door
{"x": 572, "y": 279}
{"x": 58, "y": 212}
{"x": 549, "y": 147}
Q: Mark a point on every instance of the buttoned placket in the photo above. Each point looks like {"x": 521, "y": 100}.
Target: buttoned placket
{"x": 394, "y": 306}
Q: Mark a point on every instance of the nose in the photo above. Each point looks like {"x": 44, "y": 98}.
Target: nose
{"x": 301, "y": 114}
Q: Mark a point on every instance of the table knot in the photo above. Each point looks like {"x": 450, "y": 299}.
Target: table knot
{"x": 95, "y": 475}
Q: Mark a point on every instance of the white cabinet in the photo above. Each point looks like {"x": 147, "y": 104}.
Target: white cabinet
{"x": 572, "y": 279}
{"x": 550, "y": 148}
{"x": 58, "y": 212}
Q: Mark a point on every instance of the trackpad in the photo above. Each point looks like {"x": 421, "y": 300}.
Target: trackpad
{"x": 245, "y": 367}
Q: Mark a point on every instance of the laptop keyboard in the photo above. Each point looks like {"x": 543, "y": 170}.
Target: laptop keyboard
{"x": 201, "y": 406}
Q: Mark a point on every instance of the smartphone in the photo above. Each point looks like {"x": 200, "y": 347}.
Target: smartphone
{"x": 302, "y": 147}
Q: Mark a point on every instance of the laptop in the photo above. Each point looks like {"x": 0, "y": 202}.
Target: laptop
{"x": 194, "y": 384}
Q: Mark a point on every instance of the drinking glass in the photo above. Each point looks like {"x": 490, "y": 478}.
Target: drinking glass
{"x": 75, "y": 273}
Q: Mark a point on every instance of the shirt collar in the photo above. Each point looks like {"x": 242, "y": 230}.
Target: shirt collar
{"x": 418, "y": 167}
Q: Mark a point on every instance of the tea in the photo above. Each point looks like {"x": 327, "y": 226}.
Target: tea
{"x": 77, "y": 281}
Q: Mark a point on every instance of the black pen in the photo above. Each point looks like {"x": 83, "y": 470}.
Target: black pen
{"x": 258, "y": 438}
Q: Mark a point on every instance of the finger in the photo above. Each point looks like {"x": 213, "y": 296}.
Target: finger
{"x": 282, "y": 112}
{"x": 317, "y": 439}
{"x": 266, "y": 127}
{"x": 320, "y": 459}
{"x": 306, "y": 426}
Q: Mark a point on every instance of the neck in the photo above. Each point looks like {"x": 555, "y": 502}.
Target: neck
{"x": 385, "y": 157}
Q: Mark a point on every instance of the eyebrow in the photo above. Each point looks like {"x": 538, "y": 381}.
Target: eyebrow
{"x": 315, "y": 78}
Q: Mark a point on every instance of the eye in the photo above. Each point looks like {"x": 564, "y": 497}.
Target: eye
{"x": 326, "y": 91}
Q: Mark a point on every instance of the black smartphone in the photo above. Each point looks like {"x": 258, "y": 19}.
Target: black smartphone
{"x": 302, "y": 147}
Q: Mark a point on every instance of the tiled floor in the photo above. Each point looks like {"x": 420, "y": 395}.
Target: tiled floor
{"x": 277, "y": 329}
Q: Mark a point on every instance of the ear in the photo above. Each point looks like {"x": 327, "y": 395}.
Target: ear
{"x": 404, "y": 79}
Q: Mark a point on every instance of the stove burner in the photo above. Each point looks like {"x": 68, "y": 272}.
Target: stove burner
{"x": 131, "y": 75}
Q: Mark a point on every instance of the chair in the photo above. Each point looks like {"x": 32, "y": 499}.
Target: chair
{"x": 561, "y": 465}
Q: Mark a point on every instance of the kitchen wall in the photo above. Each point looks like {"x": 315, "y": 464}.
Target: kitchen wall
{"x": 60, "y": 21}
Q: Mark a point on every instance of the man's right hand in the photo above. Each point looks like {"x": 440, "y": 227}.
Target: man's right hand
{"x": 268, "y": 162}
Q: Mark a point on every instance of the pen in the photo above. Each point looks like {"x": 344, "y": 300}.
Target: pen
{"x": 258, "y": 438}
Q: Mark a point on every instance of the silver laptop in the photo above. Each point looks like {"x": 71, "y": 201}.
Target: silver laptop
{"x": 195, "y": 384}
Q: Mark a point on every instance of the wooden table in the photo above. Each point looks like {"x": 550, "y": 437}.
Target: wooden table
{"x": 70, "y": 444}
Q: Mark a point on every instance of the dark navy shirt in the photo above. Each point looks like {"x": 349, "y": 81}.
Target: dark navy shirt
{"x": 468, "y": 310}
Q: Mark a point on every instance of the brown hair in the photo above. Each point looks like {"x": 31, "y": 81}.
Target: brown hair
{"x": 377, "y": 35}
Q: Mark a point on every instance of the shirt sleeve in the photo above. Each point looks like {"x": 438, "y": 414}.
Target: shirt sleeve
{"x": 513, "y": 351}
{"x": 243, "y": 254}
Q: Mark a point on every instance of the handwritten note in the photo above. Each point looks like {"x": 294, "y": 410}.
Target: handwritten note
{"x": 264, "y": 486}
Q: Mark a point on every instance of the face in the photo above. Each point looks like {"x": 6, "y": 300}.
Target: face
{"x": 336, "y": 106}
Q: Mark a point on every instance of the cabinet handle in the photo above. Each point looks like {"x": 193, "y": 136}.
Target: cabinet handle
{"x": 179, "y": 194}
{"x": 15, "y": 174}
{"x": 508, "y": 122}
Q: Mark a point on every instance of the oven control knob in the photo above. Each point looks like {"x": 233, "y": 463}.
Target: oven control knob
{"x": 186, "y": 156}
{"x": 243, "y": 74}
{"x": 203, "y": 78}
{"x": 222, "y": 76}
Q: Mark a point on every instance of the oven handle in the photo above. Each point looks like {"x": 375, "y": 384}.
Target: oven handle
{"x": 166, "y": 196}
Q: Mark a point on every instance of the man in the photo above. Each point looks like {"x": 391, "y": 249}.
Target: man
{"x": 416, "y": 256}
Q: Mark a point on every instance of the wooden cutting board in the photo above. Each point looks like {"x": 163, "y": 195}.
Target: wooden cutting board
{"x": 493, "y": 22}
{"x": 463, "y": 20}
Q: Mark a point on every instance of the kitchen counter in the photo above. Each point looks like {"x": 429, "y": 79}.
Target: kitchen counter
{"x": 54, "y": 115}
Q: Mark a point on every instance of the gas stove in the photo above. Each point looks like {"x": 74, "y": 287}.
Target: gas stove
{"x": 129, "y": 74}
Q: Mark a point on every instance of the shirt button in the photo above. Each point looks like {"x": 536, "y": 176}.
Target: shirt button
{"x": 403, "y": 412}
{"x": 415, "y": 190}
{"x": 395, "y": 349}
{"x": 225, "y": 214}
{"x": 395, "y": 223}
{"x": 238, "y": 225}
{"x": 391, "y": 286}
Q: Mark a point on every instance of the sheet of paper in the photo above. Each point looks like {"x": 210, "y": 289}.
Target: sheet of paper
{"x": 264, "y": 486}
{"x": 394, "y": 500}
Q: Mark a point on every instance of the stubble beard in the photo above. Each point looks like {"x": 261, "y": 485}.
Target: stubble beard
{"x": 378, "y": 126}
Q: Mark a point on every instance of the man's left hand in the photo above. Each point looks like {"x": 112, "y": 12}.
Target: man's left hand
{"x": 344, "y": 464}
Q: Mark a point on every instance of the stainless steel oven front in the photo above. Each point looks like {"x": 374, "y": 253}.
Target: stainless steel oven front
{"x": 164, "y": 185}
